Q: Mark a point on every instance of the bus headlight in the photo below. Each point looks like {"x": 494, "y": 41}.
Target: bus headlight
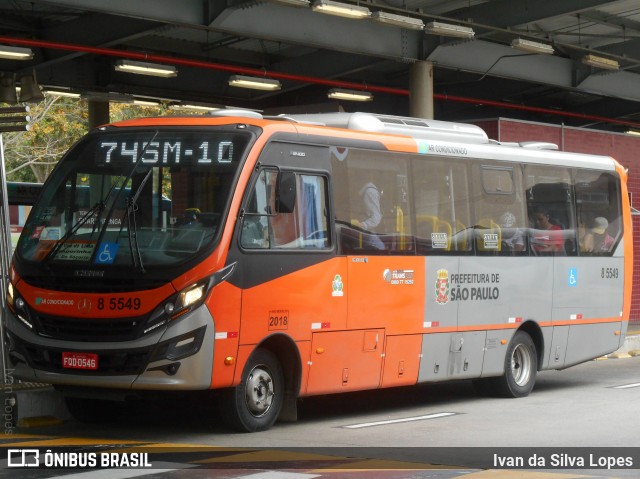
{"x": 186, "y": 300}
{"x": 190, "y": 296}
{"x": 178, "y": 305}
{"x": 18, "y": 306}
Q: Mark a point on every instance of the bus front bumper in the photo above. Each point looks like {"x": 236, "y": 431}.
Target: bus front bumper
{"x": 178, "y": 358}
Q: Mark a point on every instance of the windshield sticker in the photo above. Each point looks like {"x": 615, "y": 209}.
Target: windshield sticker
{"x": 107, "y": 253}
{"x": 76, "y": 251}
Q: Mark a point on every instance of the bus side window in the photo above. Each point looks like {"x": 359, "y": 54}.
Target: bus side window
{"x": 550, "y": 200}
{"x": 303, "y": 224}
{"x": 254, "y": 232}
{"x": 598, "y": 205}
{"x": 500, "y": 218}
{"x": 373, "y": 212}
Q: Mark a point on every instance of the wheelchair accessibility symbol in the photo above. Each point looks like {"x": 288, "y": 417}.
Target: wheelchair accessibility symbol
{"x": 107, "y": 253}
{"x": 573, "y": 277}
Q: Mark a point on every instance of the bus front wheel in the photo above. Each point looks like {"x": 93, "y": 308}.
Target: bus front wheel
{"x": 255, "y": 404}
{"x": 521, "y": 366}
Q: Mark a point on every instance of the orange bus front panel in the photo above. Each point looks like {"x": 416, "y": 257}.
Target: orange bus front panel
{"x": 297, "y": 304}
{"x": 224, "y": 304}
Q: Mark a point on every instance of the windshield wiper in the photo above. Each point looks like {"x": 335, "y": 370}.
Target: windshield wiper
{"x": 132, "y": 227}
{"x": 136, "y": 257}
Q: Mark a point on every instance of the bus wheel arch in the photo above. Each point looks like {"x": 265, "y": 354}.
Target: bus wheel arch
{"x": 268, "y": 387}
{"x": 521, "y": 365}
{"x": 535, "y": 333}
{"x": 285, "y": 349}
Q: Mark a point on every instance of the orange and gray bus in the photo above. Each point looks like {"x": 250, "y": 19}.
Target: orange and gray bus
{"x": 270, "y": 259}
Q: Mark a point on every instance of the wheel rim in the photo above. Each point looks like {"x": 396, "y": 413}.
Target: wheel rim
{"x": 259, "y": 393}
{"x": 521, "y": 365}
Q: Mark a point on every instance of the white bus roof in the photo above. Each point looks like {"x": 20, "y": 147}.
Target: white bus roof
{"x": 471, "y": 138}
{"x": 398, "y": 125}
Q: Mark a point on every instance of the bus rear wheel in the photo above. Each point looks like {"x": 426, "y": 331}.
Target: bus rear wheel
{"x": 255, "y": 404}
{"x": 520, "y": 368}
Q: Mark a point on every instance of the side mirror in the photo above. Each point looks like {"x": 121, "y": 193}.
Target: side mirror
{"x": 286, "y": 192}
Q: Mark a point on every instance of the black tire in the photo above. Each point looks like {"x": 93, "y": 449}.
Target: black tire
{"x": 520, "y": 368}
{"x": 93, "y": 411}
{"x": 255, "y": 404}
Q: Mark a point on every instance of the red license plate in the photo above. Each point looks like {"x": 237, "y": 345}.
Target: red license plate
{"x": 79, "y": 360}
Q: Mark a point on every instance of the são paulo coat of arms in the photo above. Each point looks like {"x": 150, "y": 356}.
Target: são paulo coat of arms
{"x": 442, "y": 287}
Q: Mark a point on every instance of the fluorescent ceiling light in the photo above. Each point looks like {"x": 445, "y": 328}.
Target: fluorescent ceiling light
{"x": 398, "y": 20}
{"x": 340, "y": 9}
{"x": 293, "y": 3}
{"x": 600, "y": 62}
{"x": 254, "y": 83}
{"x": 194, "y": 107}
{"x": 15, "y": 53}
{"x": 633, "y": 132}
{"x": 449, "y": 30}
{"x": 64, "y": 93}
{"x": 143, "y": 68}
{"x": 531, "y": 46}
{"x": 350, "y": 95}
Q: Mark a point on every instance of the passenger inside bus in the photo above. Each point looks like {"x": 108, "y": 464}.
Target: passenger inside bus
{"x": 585, "y": 236}
{"x": 543, "y": 239}
{"x": 369, "y": 213}
{"x": 602, "y": 240}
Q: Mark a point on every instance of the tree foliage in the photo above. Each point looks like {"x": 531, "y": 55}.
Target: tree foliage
{"x": 56, "y": 124}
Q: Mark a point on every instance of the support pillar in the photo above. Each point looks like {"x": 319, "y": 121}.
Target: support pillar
{"x": 98, "y": 113}
{"x": 421, "y": 90}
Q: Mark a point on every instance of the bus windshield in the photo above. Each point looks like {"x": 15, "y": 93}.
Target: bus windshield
{"x": 141, "y": 198}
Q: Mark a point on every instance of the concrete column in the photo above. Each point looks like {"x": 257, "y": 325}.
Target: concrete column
{"x": 421, "y": 90}
{"x": 98, "y": 113}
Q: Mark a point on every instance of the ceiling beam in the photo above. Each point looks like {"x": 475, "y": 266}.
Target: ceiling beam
{"x": 512, "y": 13}
{"x": 302, "y": 26}
{"x": 186, "y": 12}
{"x": 486, "y": 58}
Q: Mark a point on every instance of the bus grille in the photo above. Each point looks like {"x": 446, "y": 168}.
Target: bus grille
{"x": 110, "y": 363}
{"x": 91, "y": 330}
